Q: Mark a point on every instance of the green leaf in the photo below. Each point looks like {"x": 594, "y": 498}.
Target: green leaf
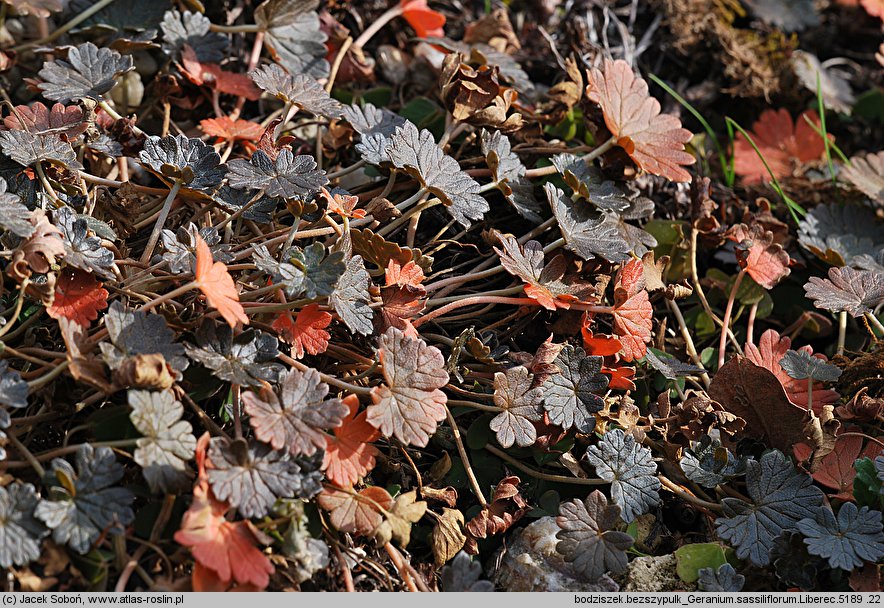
{"x": 425, "y": 114}
{"x": 867, "y": 486}
{"x": 479, "y": 434}
{"x": 667, "y": 232}
{"x": 691, "y": 558}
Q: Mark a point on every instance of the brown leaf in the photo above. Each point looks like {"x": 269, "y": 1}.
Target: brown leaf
{"x": 357, "y": 513}
{"x": 396, "y": 526}
{"x": 754, "y": 394}
{"x": 448, "y": 536}
{"x": 148, "y": 371}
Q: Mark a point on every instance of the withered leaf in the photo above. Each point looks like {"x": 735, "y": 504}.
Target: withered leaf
{"x": 406, "y": 510}
{"x": 754, "y": 394}
{"x": 866, "y": 173}
{"x": 355, "y": 512}
{"x": 448, "y": 537}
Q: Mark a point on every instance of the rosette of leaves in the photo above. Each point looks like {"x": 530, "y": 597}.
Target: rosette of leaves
{"x": 847, "y": 541}
{"x": 463, "y": 574}
{"x": 617, "y": 458}
{"x": 840, "y": 233}
{"x": 167, "y": 443}
{"x": 288, "y": 176}
{"x": 570, "y": 395}
{"x": 409, "y": 405}
{"x": 192, "y": 29}
{"x": 135, "y": 332}
{"x": 351, "y": 298}
{"x": 20, "y": 531}
{"x": 81, "y": 250}
{"x": 709, "y": 464}
{"x": 296, "y": 417}
{"x": 187, "y": 160}
{"x": 294, "y": 35}
{"x": 417, "y": 154}
{"x": 509, "y": 174}
{"x": 252, "y": 476}
{"x": 587, "y": 539}
{"x": 305, "y": 272}
{"x": 856, "y": 292}
{"x": 297, "y": 89}
{"x": 29, "y": 149}
{"x": 587, "y": 232}
{"x": 781, "y": 498}
{"x": 260, "y": 206}
{"x": 375, "y": 126}
{"x": 723, "y": 579}
{"x": 89, "y": 71}
{"x": 246, "y": 359}
{"x": 180, "y": 247}
{"x": 83, "y": 503}
{"x": 522, "y": 406}
{"x": 14, "y": 216}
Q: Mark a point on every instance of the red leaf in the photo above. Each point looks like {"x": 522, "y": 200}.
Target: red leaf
{"x": 654, "y": 141}
{"x": 401, "y": 304}
{"x": 781, "y": 142}
{"x": 874, "y": 7}
{"x": 608, "y": 346}
{"x": 836, "y": 469}
{"x": 211, "y": 75}
{"x": 762, "y": 259}
{"x": 349, "y": 455}
{"x": 409, "y": 274}
{"x": 426, "y": 22}
{"x": 217, "y": 285}
{"x": 37, "y": 118}
{"x": 229, "y": 129}
{"x": 227, "y": 548}
{"x": 770, "y": 350}
{"x": 307, "y": 332}
{"x": 343, "y": 204}
{"x": 633, "y": 313}
{"x": 78, "y": 297}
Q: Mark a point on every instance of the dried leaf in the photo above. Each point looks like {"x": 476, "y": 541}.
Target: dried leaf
{"x": 757, "y": 253}
{"x": 294, "y": 419}
{"x": 586, "y": 538}
{"x": 410, "y": 404}
{"x": 781, "y": 142}
{"x": 356, "y": 513}
{"x": 397, "y": 522}
{"x": 833, "y": 86}
{"x": 229, "y": 129}
{"x": 654, "y": 141}
{"x": 215, "y": 77}
{"x": 448, "y": 537}
{"x": 866, "y": 173}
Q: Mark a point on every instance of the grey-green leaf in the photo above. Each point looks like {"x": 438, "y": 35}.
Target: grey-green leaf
{"x": 617, "y": 458}
{"x": 168, "y": 442}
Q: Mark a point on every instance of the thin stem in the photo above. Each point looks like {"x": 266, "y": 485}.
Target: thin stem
{"x": 359, "y": 390}
{"x": 18, "y": 306}
{"x": 875, "y": 322}
{"x": 464, "y": 278}
{"x": 116, "y": 116}
{"x": 375, "y": 27}
{"x": 249, "y": 28}
{"x": 161, "y": 222}
{"x": 472, "y": 302}
{"x": 26, "y": 454}
{"x": 579, "y": 481}
{"x": 35, "y": 385}
{"x": 698, "y": 289}
{"x": 714, "y": 507}
{"x": 237, "y": 416}
{"x": 688, "y": 340}
{"x": 750, "y": 323}
{"x": 169, "y": 296}
{"x": 339, "y": 59}
{"x": 474, "y": 483}
{"x": 587, "y": 158}
{"x": 60, "y": 31}
{"x": 475, "y": 406}
{"x": 725, "y": 323}
{"x": 509, "y": 291}
{"x": 810, "y": 396}
{"x": 842, "y": 331}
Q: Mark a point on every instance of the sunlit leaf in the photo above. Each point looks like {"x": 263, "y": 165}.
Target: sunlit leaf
{"x": 89, "y": 71}
{"x": 168, "y": 442}
{"x": 522, "y": 405}
{"x": 349, "y": 454}
{"x": 78, "y": 297}
{"x": 298, "y": 89}
{"x": 20, "y": 531}
{"x": 217, "y": 285}
{"x": 571, "y": 397}
{"x": 856, "y": 292}
{"x": 246, "y": 359}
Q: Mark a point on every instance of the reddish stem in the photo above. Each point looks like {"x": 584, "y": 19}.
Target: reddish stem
{"x": 725, "y": 322}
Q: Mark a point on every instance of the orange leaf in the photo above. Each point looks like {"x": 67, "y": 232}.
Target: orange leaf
{"x": 224, "y": 547}
{"x": 342, "y": 204}
{"x": 757, "y": 253}
{"x": 409, "y": 274}
{"x": 78, "y": 297}
{"x": 781, "y": 142}
{"x": 837, "y": 469}
{"x": 232, "y": 130}
{"x": 633, "y": 313}
{"x": 217, "y": 285}
{"x": 426, "y": 22}
{"x": 654, "y": 141}
{"x": 874, "y": 7}
{"x": 307, "y": 332}
{"x": 211, "y": 75}
{"x": 349, "y": 455}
